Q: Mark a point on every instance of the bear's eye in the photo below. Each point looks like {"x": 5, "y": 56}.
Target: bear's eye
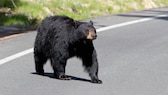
{"x": 87, "y": 31}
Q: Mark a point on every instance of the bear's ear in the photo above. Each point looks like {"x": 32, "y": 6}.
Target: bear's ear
{"x": 76, "y": 24}
{"x": 91, "y": 22}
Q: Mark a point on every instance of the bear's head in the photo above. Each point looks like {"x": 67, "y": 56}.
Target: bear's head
{"x": 87, "y": 30}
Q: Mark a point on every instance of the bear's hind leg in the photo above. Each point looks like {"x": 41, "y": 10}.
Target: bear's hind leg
{"x": 40, "y": 60}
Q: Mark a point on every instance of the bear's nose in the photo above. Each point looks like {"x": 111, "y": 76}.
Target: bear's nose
{"x": 94, "y": 36}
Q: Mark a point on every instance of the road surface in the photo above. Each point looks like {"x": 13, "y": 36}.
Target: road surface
{"x": 132, "y": 53}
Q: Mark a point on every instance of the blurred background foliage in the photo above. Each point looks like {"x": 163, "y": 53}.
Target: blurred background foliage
{"x": 9, "y": 3}
{"x": 31, "y": 12}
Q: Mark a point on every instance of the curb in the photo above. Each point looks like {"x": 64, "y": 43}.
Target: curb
{"x": 10, "y": 30}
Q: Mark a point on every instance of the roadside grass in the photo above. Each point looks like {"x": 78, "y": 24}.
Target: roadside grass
{"x": 18, "y": 19}
{"x": 31, "y": 12}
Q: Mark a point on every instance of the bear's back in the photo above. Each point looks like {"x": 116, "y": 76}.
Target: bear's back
{"x": 55, "y": 22}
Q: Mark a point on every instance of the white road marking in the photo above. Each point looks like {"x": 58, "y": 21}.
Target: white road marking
{"x": 15, "y": 56}
{"x": 129, "y": 23}
{"x": 28, "y": 51}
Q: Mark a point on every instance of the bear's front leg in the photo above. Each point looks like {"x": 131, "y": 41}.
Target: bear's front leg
{"x": 93, "y": 72}
{"x": 59, "y": 69}
{"x": 91, "y": 64}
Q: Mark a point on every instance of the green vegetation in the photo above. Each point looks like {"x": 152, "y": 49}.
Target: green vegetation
{"x": 31, "y": 12}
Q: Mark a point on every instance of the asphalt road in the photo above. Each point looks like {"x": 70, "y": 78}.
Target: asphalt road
{"x": 133, "y": 60}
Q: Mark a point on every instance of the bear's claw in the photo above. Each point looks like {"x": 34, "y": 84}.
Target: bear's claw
{"x": 97, "y": 81}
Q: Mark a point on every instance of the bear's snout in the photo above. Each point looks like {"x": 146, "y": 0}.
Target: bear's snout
{"x": 91, "y": 35}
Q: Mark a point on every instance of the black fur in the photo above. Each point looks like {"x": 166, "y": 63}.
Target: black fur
{"x": 60, "y": 38}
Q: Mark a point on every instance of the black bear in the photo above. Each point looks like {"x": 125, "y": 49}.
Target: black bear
{"x": 60, "y": 38}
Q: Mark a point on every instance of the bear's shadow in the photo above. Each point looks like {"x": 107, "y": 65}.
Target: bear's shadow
{"x": 51, "y": 75}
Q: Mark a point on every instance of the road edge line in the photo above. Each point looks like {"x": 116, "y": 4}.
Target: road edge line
{"x": 15, "y": 56}
{"x": 130, "y": 23}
